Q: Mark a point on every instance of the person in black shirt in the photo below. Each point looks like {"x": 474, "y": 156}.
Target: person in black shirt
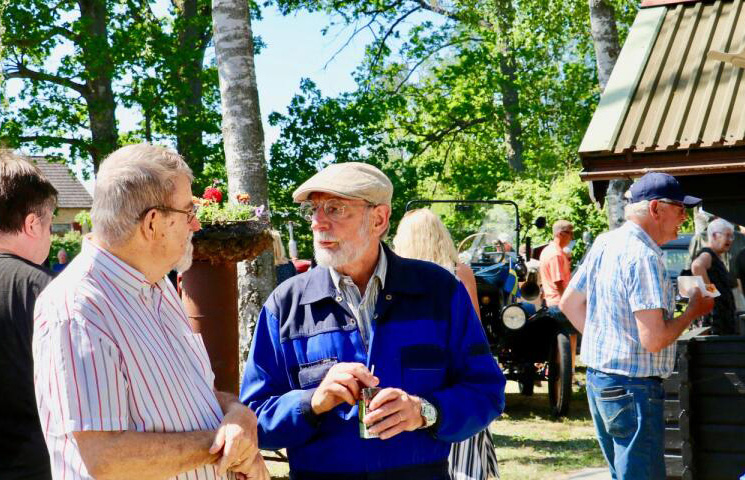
{"x": 709, "y": 265}
{"x": 27, "y": 202}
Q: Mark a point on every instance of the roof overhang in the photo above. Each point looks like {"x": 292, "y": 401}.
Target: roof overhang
{"x": 669, "y": 108}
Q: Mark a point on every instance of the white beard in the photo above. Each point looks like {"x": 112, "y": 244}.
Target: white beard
{"x": 184, "y": 262}
{"x": 347, "y": 251}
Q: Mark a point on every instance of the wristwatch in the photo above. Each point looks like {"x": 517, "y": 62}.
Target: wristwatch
{"x": 428, "y": 412}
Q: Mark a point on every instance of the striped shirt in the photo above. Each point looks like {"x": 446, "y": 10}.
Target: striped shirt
{"x": 623, "y": 273}
{"x": 113, "y": 352}
{"x": 362, "y": 306}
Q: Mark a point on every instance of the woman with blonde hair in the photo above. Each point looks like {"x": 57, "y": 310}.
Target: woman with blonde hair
{"x": 422, "y": 235}
{"x": 284, "y": 268}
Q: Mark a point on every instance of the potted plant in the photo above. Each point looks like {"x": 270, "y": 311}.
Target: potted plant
{"x": 231, "y": 232}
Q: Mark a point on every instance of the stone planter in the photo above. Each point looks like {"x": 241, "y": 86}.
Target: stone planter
{"x": 209, "y": 290}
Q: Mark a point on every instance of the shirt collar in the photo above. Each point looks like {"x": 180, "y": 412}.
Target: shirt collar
{"x": 122, "y": 274}
{"x": 380, "y": 270}
{"x": 639, "y": 233}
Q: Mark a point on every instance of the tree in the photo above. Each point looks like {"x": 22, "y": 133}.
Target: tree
{"x": 243, "y": 137}
{"x": 64, "y": 102}
{"x": 607, "y": 49}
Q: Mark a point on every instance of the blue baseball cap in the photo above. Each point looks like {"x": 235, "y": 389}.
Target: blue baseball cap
{"x": 657, "y": 185}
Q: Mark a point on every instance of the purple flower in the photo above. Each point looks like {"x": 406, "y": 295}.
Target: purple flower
{"x": 259, "y": 211}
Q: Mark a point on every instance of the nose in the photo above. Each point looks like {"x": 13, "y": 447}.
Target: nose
{"x": 319, "y": 221}
{"x": 195, "y": 226}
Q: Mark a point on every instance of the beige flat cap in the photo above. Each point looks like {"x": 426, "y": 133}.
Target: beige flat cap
{"x": 349, "y": 180}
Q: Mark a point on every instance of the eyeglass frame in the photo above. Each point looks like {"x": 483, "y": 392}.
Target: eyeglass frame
{"x": 190, "y": 215}
{"x": 309, "y": 218}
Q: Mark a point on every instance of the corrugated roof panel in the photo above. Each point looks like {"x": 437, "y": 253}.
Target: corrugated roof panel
{"x": 639, "y": 107}
{"x": 736, "y": 126}
{"x": 608, "y": 119}
{"x": 726, "y": 83}
{"x": 667, "y": 73}
{"x": 692, "y": 63}
{"x": 704, "y": 92}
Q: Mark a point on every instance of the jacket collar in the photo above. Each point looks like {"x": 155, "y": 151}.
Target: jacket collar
{"x": 399, "y": 278}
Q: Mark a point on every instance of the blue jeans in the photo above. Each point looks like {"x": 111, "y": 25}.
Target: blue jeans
{"x": 629, "y": 424}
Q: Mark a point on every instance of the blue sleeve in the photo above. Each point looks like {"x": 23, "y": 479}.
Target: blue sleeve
{"x": 476, "y": 394}
{"x": 285, "y": 418}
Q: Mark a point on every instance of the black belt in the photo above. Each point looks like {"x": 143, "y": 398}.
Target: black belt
{"x": 430, "y": 471}
{"x": 655, "y": 378}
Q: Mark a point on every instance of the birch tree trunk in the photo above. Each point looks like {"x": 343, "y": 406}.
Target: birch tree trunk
{"x": 243, "y": 138}
{"x": 607, "y": 48}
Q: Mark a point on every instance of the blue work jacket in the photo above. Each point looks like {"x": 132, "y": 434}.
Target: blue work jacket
{"x": 426, "y": 340}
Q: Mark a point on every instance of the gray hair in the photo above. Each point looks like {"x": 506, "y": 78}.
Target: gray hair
{"x": 638, "y": 209}
{"x": 130, "y": 181}
{"x": 719, "y": 225}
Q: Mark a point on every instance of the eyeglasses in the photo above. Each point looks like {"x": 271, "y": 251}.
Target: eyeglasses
{"x": 190, "y": 214}
{"x": 335, "y": 209}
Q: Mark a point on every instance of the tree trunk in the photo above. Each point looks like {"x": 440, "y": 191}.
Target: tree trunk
{"x": 607, "y": 48}
{"x": 243, "y": 138}
{"x": 99, "y": 66}
{"x": 510, "y": 95}
{"x": 188, "y": 78}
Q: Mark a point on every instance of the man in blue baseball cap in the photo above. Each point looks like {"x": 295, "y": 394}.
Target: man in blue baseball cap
{"x": 622, "y": 300}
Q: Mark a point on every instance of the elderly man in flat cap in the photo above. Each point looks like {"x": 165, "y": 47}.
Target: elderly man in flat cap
{"x": 322, "y": 333}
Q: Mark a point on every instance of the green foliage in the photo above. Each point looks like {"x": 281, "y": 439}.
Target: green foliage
{"x": 71, "y": 241}
{"x": 84, "y": 219}
{"x": 212, "y": 213}
{"x": 565, "y": 197}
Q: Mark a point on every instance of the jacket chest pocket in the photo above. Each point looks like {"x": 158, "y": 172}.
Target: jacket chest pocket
{"x": 310, "y": 374}
{"x": 423, "y": 368}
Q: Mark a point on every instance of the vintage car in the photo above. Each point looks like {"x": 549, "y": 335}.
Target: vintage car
{"x": 530, "y": 341}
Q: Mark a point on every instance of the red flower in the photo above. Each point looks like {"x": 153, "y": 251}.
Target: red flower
{"x": 213, "y": 194}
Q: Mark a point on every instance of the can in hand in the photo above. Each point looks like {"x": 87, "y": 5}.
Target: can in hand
{"x": 366, "y": 396}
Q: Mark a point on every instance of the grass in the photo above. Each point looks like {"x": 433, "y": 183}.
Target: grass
{"x": 531, "y": 444}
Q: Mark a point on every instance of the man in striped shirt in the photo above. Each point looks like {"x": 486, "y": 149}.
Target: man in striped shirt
{"x": 124, "y": 387}
{"x": 622, "y": 300}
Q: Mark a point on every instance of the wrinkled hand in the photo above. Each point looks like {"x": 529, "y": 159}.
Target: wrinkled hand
{"x": 393, "y": 411}
{"x": 236, "y": 437}
{"x": 251, "y": 469}
{"x": 341, "y": 384}
{"x": 698, "y": 304}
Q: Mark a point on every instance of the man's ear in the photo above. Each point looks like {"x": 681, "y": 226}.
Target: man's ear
{"x": 32, "y": 225}
{"x": 148, "y": 224}
{"x": 654, "y": 208}
{"x": 381, "y": 217}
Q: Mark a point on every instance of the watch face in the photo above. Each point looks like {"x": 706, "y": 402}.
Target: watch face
{"x": 429, "y": 413}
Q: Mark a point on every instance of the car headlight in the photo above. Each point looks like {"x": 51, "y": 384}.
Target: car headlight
{"x": 514, "y": 317}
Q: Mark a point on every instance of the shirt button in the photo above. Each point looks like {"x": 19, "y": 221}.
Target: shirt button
{"x": 352, "y": 322}
{"x": 338, "y": 299}
{"x": 389, "y": 297}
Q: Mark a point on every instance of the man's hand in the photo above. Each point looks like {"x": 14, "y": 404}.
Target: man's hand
{"x": 236, "y": 437}
{"x": 393, "y": 411}
{"x": 341, "y": 384}
{"x": 252, "y": 469}
{"x": 698, "y": 304}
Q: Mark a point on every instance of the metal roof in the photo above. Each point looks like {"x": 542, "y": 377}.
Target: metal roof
{"x": 666, "y": 106}
{"x": 72, "y": 193}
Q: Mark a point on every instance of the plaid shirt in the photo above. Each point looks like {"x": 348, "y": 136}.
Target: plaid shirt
{"x": 622, "y": 274}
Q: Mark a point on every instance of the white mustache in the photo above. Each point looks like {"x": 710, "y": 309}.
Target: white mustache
{"x": 324, "y": 237}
